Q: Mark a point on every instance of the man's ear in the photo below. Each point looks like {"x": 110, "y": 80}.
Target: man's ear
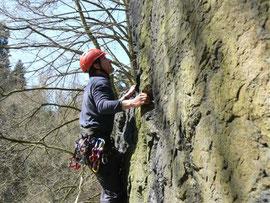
{"x": 96, "y": 65}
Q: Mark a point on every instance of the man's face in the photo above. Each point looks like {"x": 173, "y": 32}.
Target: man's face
{"x": 106, "y": 64}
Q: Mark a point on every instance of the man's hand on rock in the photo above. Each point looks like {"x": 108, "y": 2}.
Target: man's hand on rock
{"x": 138, "y": 101}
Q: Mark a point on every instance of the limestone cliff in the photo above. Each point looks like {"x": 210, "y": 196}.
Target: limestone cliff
{"x": 206, "y": 136}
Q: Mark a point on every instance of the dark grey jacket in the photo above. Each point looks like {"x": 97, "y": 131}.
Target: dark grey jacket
{"x": 99, "y": 105}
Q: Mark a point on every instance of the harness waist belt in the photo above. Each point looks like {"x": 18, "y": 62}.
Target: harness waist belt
{"x": 95, "y": 132}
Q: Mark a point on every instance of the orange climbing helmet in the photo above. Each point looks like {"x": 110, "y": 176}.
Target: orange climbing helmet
{"x": 88, "y": 58}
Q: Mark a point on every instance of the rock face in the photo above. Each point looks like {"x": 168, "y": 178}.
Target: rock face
{"x": 206, "y": 136}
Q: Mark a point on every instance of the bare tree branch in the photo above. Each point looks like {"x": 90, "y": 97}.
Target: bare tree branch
{"x": 34, "y": 89}
{"x": 50, "y": 36}
{"x": 86, "y": 28}
{"x": 42, "y": 144}
{"x": 57, "y": 128}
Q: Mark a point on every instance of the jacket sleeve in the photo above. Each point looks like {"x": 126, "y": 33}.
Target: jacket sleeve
{"x": 104, "y": 100}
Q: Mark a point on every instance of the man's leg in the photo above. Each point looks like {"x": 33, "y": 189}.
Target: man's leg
{"x": 110, "y": 179}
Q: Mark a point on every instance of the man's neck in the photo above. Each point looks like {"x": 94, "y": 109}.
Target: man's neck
{"x": 101, "y": 73}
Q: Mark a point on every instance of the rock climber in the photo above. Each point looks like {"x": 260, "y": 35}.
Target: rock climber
{"x": 97, "y": 117}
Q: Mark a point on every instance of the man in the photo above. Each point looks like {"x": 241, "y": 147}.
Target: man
{"x": 97, "y": 116}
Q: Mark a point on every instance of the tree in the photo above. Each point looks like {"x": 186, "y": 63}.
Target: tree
{"x": 53, "y": 35}
{"x": 17, "y": 78}
{"x": 4, "y": 56}
{"x": 57, "y": 37}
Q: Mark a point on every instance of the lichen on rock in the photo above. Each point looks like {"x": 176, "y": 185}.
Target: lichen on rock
{"x": 206, "y": 135}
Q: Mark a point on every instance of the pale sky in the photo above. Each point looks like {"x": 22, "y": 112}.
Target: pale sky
{"x": 28, "y": 57}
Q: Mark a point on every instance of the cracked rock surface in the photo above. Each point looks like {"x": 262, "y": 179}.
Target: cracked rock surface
{"x": 206, "y": 135}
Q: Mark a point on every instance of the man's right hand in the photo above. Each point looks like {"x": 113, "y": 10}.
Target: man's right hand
{"x": 138, "y": 101}
{"x": 129, "y": 94}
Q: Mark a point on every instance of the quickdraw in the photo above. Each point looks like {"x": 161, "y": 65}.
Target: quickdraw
{"x": 74, "y": 163}
{"x": 81, "y": 154}
{"x": 96, "y": 155}
{"x": 81, "y": 149}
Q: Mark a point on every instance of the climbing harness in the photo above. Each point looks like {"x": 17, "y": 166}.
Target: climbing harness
{"x": 88, "y": 151}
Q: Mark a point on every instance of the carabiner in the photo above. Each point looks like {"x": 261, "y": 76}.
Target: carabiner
{"x": 93, "y": 155}
{"x": 81, "y": 145}
{"x": 96, "y": 155}
{"x": 95, "y": 167}
{"x": 100, "y": 143}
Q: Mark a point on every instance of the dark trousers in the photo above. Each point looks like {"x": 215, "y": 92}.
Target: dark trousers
{"x": 109, "y": 174}
{"x": 110, "y": 179}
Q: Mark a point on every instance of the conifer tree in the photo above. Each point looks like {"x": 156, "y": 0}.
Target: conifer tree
{"x": 4, "y": 54}
{"x": 17, "y": 76}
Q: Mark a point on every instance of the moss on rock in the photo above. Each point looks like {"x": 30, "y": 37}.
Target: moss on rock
{"x": 205, "y": 137}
